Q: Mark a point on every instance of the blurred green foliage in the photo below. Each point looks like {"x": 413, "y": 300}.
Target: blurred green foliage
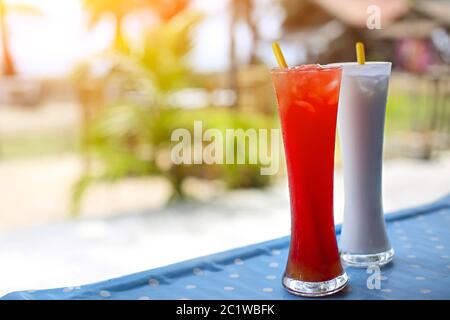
{"x": 165, "y": 51}
{"x": 399, "y": 111}
{"x": 126, "y": 138}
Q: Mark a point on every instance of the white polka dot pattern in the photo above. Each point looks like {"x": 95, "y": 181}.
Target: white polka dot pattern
{"x": 153, "y": 282}
{"x": 198, "y": 272}
{"x": 238, "y": 262}
{"x": 420, "y": 270}
{"x": 105, "y": 294}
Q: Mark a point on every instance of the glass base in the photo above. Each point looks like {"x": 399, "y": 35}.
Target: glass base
{"x": 365, "y": 260}
{"x": 315, "y": 289}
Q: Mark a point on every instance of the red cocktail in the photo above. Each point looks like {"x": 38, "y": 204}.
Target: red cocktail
{"x": 308, "y": 101}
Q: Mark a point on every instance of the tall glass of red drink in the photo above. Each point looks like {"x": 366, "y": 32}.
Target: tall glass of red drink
{"x": 307, "y": 102}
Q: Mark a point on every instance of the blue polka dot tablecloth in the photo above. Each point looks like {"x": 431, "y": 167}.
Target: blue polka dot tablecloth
{"x": 420, "y": 270}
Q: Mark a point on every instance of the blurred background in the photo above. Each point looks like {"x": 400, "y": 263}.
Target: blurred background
{"x": 90, "y": 91}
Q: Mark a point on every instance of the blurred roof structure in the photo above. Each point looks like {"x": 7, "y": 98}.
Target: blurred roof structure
{"x": 354, "y": 12}
{"x": 436, "y": 9}
{"x": 423, "y": 18}
{"x": 410, "y": 28}
{"x": 422, "y": 15}
{"x": 326, "y": 30}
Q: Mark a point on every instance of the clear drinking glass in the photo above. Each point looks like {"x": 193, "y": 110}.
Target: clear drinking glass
{"x": 308, "y": 101}
{"x": 361, "y": 118}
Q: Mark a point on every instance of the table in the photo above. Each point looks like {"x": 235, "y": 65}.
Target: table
{"x": 420, "y": 270}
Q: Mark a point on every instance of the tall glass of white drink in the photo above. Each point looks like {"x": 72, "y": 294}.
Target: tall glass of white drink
{"x": 361, "y": 118}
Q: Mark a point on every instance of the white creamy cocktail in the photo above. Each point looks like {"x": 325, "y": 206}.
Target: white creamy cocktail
{"x": 361, "y": 118}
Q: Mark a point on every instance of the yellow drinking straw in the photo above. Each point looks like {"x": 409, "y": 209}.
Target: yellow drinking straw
{"x": 360, "y": 55}
{"x": 279, "y": 55}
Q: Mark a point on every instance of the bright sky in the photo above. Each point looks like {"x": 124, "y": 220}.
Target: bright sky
{"x": 51, "y": 45}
